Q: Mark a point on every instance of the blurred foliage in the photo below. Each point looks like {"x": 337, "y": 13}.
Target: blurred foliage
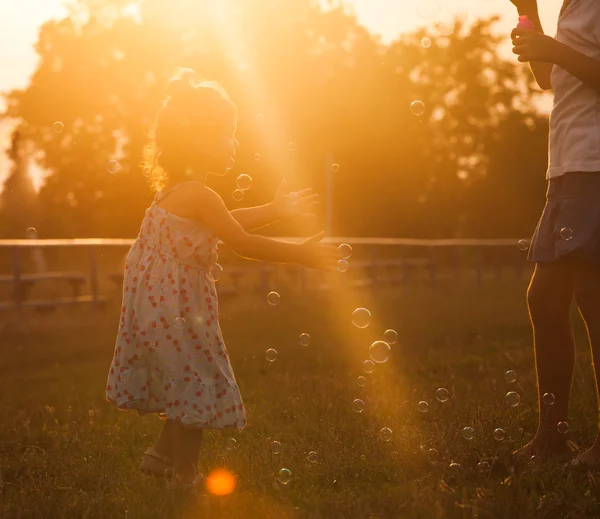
{"x": 472, "y": 165}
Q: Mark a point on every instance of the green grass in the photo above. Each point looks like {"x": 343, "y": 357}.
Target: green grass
{"x": 65, "y": 452}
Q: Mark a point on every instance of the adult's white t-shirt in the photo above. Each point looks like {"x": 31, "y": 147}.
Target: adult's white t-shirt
{"x": 574, "y": 143}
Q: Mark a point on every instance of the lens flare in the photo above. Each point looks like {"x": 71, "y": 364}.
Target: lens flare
{"x": 220, "y": 482}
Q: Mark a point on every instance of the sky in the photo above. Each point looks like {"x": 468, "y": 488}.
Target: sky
{"x": 21, "y": 19}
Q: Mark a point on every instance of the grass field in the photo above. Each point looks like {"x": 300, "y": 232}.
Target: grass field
{"x": 65, "y": 452}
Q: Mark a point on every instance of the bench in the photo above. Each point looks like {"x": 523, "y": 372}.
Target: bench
{"x": 26, "y": 281}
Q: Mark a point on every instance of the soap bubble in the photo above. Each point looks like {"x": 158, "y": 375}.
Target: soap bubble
{"x": 244, "y": 182}
{"x": 179, "y": 323}
{"x": 513, "y": 398}
{"x": 442, "y": 394}
{"x": 385, "y": 434}
{"x": 260, "y": 118}
{"x": 535, "y": 459}
{"x": 428, "y": 9}
{"x": 216, "y": 271}
{"x": 510, "y": 376}
{"x": 379, "y": 352}
{"x": 113, "y": 166}
{"x": 548, "y": 398}
{"x": 335, "y": 168}
{"x": 454, "y": 466}
{"x": 275, "y": 447}
{"x": 425, "y": 42}
{"x": 562, "y": 427}
{"x": 417, "y": 107}
{"x": 292, "y": 146}
{"x": 284, "y": 476}
{"x": 304, "y": 339}
{"x": 238, "y": 195}
{"x": 483, "y": 466}
{"x": 368, "y": 366}
{"x": 256, "y": 157}
{"x": 358, "y": 405}
{"x": 345, "y": 251}
{"x": 342, "y": 265}
{"x": 31, "y": 232}
{"x": 361, "y": 381}
{"x": 566, "y": 233}
{"x": 58, "y": 127}
{"x": 273, "y": 298}
{"x": 499, "y": 434}
{"x": 468, "y": 433}
{"x": 433, "y": 454}
{"x": 312, "y": 457}
{"x": 361, "y": 318}
{"x": 390, "y": 336}
{"x": 271, "y": 355}
{"x": 523, "y": 245}
{"x": 231, "y": 444}
{"x": 423, "y": 406}
{"x": 445, "y": 27}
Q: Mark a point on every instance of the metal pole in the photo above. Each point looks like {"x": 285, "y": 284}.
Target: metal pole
{"x": 17, "y": 295}
{"x": 329, "y": 196}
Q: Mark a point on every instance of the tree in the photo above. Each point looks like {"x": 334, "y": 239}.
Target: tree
{"x": 318, "y": 79}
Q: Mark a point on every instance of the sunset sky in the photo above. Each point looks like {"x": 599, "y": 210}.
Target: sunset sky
{"x": 20, "y": 20}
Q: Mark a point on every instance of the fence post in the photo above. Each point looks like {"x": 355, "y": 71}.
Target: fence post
{"x": 17, "y": 294}
{"x": 432, "y": 273}
{"x": 479, "y": 265}
{"x": 94, "y": 276}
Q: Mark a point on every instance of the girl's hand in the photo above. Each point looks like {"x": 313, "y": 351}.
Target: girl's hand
{"x": 533, "y": 46}
{"x": 317, "y": 255}
{"x": 288, "y": 205}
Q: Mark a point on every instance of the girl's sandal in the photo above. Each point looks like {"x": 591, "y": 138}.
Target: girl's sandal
{"x": 155, "y": 463}
{"x": 175, "y": 482}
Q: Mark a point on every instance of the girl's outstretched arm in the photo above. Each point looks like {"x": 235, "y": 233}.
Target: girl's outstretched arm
{"x": 285, "y": 205}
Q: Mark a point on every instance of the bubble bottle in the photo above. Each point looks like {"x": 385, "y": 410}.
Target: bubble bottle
{"x": 525, "y": 23}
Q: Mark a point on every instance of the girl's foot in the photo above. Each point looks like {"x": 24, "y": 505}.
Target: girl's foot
{"x": 589, "y": 458}
{"x": 544, "y": 449}
{"x": 186, "y": 477}
{"x": 155, "y": 463}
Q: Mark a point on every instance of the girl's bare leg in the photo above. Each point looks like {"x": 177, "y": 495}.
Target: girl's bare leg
{"x": 549, "y": 298}
{"x": 164, "y": 444}
{"x": 186, "y": 451}
{"x": 587, "y": 294}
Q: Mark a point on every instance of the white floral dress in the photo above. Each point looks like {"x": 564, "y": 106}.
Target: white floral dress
{"x": 169, "y": 356}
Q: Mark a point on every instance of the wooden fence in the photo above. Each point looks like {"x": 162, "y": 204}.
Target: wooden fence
{"x": 427, "y": 251}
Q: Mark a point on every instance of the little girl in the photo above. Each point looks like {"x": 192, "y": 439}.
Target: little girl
{"x": 169, "y": 356}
